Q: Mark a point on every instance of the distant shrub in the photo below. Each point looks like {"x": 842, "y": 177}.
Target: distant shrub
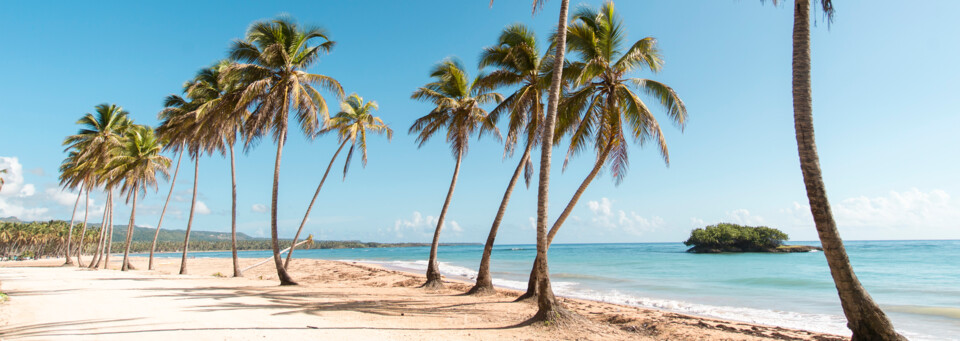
{"x": 725, "y": 237}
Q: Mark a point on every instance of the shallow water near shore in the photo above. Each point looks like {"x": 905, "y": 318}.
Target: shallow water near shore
{"x": 916, "y": 282}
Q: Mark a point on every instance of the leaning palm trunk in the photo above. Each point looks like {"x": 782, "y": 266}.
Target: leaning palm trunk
{"x": 312, "y": 201}
{"x": 285, "y": 278}
{"x": 233, "y": 215}
{"x": 102, "y": 241}
{"x": 70, "y": 231}
{"x": 484, "y": 285}
{"x": 193, "y": 206}
{"x": 163, "y": 211}
{"x": 534, "y": 275}
{"x": 83, "y": 230}
{"x": 864, "y": 316}
{"x": 109, "y": 247}
{"x": 434, "y": 280}
{"x": 548, "y": 309}
{"x": 126, "y": 250}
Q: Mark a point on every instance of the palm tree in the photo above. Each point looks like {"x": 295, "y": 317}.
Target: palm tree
{"x": 98, "y": 137}
{"x": 216, "y": 96}
{"x": 275, "y": 55}
{"x": 351, "y": 124}
{"x": 181, "y": 128}
{"x": 518, "y": 63}
{"x": 137, "y": 163}
{"x": 864, "y": 316}
{"x": 604, "y": 102}
{"x": 458, "y": 109}
{"x": 4, "y": 171}
{"x": 547, "y": 307}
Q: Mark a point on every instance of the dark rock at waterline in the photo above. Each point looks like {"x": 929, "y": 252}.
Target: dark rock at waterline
{"x": 780, "y": 249}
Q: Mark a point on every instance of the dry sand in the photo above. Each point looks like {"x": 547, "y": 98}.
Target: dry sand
{"x": 336, "y": 300}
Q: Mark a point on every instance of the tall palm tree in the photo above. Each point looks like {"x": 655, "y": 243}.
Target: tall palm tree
{"x": 458, "y": 109}
{"x": 518, "y": 63}
{"x": 604, "y": 102}
{"x": 182, "y": 129}
{"x": 137, "y": 163}
{"x": 217, "y": 96}
{"x": 95, "y": 143}
{"x": 274, "y": 57}
{"x": 547, "y": 307}
{"x": 351, "y": 124}
{"x": 864, "y": 316}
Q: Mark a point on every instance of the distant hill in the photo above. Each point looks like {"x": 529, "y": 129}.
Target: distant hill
{"x": 10, "y": 220}
{"x": 145, "y": 234}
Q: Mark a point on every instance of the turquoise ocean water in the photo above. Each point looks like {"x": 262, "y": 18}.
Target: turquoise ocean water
{"x": 916, "y": 282}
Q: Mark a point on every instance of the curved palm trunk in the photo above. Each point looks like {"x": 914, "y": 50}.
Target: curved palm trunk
{"x": 163, "y": 211}
{"x": 83, "y": 230}
{"x": 864, "y": 316}
{"x": 109, "y": 247}
{"x": 193, "y": 206}
{"x": 434, "y": 280}
{"x": 307, "y": 215}
{"x": 102, "y": 241}
{"x": 548, "y": 309}
{"x": 70, "y": 231}
{"x": 484, "y": 285}
{"x": 126, "y": 250}
{"x": 233, "y": 215}
{"x": 285, "y": 278}
{"x": 534, "y": 275}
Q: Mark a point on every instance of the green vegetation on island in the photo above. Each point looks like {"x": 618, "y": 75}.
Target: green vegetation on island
{"x": 725, "y": 237}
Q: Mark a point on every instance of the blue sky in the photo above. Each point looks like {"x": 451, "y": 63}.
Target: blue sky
{"x": 885, "y": 109}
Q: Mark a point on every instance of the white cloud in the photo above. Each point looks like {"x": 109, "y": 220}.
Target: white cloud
{"x": 697, "y": 222}
{"x": 13, "y": 178}
{"x": 743, "y": 217}
{"x": 259, "y": 208}
{"x": 908, "y": 214}
{"x": 420, "y": 227}
{"x": 28, "y": 190}
{"x": 17, "y": 197}
{"x": 202, "y": 208}
{"x": 605, "y": 216}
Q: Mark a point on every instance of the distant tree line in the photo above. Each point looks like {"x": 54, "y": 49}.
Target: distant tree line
{"x": 49, "y": 239}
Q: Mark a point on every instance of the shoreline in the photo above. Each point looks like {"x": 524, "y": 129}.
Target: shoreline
{"x": 605, "y": 320}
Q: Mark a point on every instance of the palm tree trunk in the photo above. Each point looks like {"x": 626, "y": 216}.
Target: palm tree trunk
{"x": 163, "y": 211}
{"x": 233, "y": 215}
{"x": 102, "y": 241}
{"x": 126, "y": 250}
{"x": 285, "y": 278}
{"x": 109, "y": 246}
{"x": 864, "y": 316}
{"x": 309, "y": 207}
{"x": 434, "y": 280}
{"x": 484, "y": 285}
{"x": 70, "y": 231}
{"x": 193, "y": 206}
{"x": 83, "y": 230}
{"x": 534, "y": 276}
{"x": 548, "y": 309}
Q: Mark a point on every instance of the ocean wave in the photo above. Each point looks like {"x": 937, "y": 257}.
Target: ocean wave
{"x": 825, "y": 323}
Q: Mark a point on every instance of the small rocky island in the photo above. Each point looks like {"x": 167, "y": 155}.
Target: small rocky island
{"x": 726, "y": 237}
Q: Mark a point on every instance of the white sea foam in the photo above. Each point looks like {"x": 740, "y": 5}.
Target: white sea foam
{"x": 834, "y": 324}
